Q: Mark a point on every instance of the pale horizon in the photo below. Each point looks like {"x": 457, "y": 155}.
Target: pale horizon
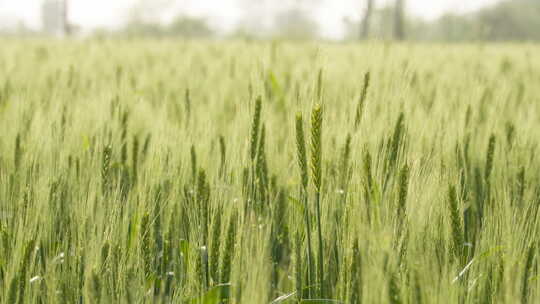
{"x": 224, "y": 14}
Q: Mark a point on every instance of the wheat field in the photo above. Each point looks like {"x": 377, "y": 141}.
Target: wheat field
{"x": 268, "y": 172}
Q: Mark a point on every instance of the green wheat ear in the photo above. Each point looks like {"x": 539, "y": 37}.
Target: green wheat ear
{"x": 226, "y": 264}
{"x": 361, "y": 103}
{"x": 345, "y": 159}
{"x": 455, "y": 219}
{"x": 106, "y": 169}
{"x": 145, "y": 241}
{"x": 193, "y": 163}
{"x": 367, "y": 170}
{"x": 146, "y": 147}
{"x": 135, "y": 159}
{"x": 203, "y": 198}
{"x": 403, "y": 191}
{"x": 397, "y": 139}
{"x": 316, "y": 146}
{"x": 489, "y": 157}
{"x": 261, "y": 165}
{"x": 510, "y": 130}
{"x": 254, "y": 139}
{"x": 18, "y": 152}
{"x": 124, "y": 129}
{"x": 105, "y": 250}
{"x": 223, "y": 154}
{"x": 301, "y": 150}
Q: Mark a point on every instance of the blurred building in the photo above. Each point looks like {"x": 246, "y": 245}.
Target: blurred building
{"x": 54, "y": 17}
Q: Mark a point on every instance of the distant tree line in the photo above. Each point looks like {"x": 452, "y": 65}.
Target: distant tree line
{"x": 262, "y": 19}
{"x": 181, "y": 26}
{"x": 508, "y": 20}
{"x": 517, "y": 20}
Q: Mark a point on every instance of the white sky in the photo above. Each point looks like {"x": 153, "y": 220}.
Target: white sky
{"x": 329, "y": 13}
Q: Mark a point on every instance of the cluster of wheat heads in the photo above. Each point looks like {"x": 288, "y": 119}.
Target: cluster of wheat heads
{"x": 253, "y": 172}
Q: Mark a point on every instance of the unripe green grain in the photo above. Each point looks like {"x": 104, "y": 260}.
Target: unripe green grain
{"x": 254, "y": 139}
{"x": 367, "y": 170}
{"x": 261, "y": 166}
{"x": 455, "y": 219}
{"x": 301, "y": 151}
{"x": 316, "y": 147}
{"x": 146, "y": 147}
{"x": 510, "y": 134}
{"x": 105, "y": 252}
{"x": 18, "y": 152}
{"x": 124, "y": 128}
{"x": 135, "y": 159}
{"x": 223, "y": 154}
{"x": 396, "y": 142}
{"x": 193, "y": 163}
{"x": 345, "y": 159}
{"x": 361, "y": 103}
{"x": 226, "y": 264}
{"x": 402, "y": 195}
{"x": 489, "y": 157}
{"x": 203, "y": 198}
{"x": 146, "y": 246}
{"x": 106, "y": 169}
